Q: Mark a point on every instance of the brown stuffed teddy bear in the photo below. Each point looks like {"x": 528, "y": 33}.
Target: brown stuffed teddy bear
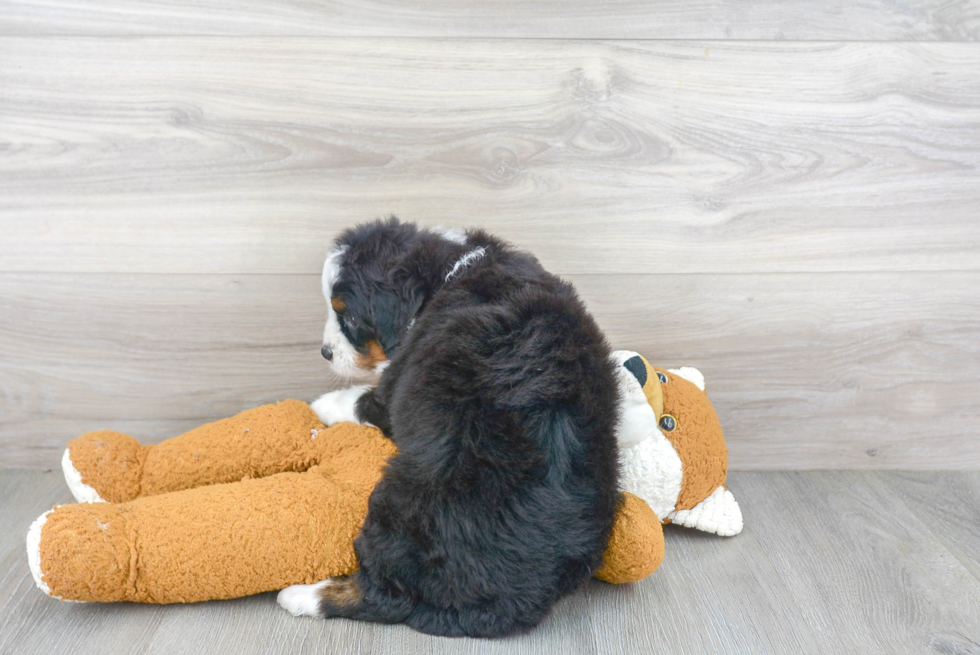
{"x": 671, "y": 446}
{"x": 271, "y": 498}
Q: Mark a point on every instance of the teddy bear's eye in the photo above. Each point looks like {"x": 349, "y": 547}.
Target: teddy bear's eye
{"x": 668, "y": 423}
{"x": 661, "y": 377}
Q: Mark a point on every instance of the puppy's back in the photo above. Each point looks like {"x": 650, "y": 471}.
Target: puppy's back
{"x": 506, "y": 484}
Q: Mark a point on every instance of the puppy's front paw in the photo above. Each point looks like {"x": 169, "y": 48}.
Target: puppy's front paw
{"x": 338, "y": 406}
{"x": 302, "y": 599}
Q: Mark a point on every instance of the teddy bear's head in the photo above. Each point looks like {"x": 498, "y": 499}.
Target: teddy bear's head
{"x": 673, "y": 401}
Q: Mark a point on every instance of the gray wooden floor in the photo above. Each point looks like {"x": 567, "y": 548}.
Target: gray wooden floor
{"x": 829, "y": 562}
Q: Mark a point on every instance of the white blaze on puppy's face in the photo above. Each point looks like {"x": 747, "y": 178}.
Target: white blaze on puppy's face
{"x": 346, "y": 357}
{"x": 333, "y": 338}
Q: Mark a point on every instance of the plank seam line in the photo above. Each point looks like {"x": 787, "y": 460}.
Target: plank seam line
{"x": 390, "y": 38}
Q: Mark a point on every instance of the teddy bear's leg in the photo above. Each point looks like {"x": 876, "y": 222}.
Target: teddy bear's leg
{"x": 340, "y": 406}
{"x": 220, "y": 541}
{"x": 257, "y": 442}
{"x": 636, "y": 545}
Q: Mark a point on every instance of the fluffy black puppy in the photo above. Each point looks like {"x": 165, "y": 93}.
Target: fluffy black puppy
{"x": 498, "y": 390}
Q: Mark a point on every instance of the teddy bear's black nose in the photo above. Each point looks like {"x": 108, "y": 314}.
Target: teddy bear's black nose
{"x": 636, "y": 366}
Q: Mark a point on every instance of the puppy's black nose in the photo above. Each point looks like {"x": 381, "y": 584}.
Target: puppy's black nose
{"x": 327, "y": 353}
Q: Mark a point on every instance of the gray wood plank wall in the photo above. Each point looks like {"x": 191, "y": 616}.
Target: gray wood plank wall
{"x": 786, "y": 196}
{"x": 857, "y": 20}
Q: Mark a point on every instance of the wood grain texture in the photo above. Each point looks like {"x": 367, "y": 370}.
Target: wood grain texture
{"x": 863, "y": 20}
{"x": 247, "y": 155}
{"x": 867, "y": 575}
{"x": 711, "y": 595}
{"x": 851, "y": 371}
{"x": 828, "y": 563}
{"x": 848, "y": 370}
{"x": 948, "y": 503}
{"x": 159, "y": 353}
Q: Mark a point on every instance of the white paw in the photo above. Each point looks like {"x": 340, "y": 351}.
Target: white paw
{"x": 81, "y": 491}
{"x": 34, "y": 551}
{"x": 302, "y": 599}
{"x": 34, "y": 555}
{"x": 338, "y": 406}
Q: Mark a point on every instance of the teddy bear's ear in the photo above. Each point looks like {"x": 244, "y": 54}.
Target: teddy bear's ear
{"x": 690, "y": 374}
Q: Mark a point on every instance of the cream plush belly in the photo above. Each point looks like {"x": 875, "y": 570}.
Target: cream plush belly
{"x": 652, "y": 470}
{"x": 650, "y": 466}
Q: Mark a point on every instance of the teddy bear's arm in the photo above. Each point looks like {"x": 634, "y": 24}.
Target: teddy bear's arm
{"x": 255, "y": 443}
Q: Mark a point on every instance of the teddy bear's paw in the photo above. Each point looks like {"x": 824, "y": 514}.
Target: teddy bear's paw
{"x": 104, "y": 466}
{"x": 718, "y": 514}
{"x": 81, "y": 491}
{"x": 302, "y": 599}
{"x": 34, "y": 551}
{"x": 34, "y": 555}
{"x": 82, "y": 552}
{"x": 339, "y": 406}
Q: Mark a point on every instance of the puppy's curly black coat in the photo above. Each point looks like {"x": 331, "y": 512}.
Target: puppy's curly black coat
{"x": 501, "y": 399}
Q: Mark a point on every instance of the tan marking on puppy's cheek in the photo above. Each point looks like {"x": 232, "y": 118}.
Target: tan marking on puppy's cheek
{"x": 338, "y": 304}
{"x": 375, "y": 355}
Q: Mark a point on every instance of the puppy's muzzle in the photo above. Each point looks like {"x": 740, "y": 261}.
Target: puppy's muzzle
{"x": 327, "y": 353}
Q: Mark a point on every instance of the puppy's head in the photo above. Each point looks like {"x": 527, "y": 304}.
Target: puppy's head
{"x": 373, "y": 290}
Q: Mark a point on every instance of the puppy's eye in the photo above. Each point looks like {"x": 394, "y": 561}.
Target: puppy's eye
{"x": 661, "y": 377}
{"x": 668, "y": 423}
{"x": 350, "y": 322}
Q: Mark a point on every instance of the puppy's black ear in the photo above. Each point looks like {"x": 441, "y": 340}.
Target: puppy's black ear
{"x": 394, "y": 308}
